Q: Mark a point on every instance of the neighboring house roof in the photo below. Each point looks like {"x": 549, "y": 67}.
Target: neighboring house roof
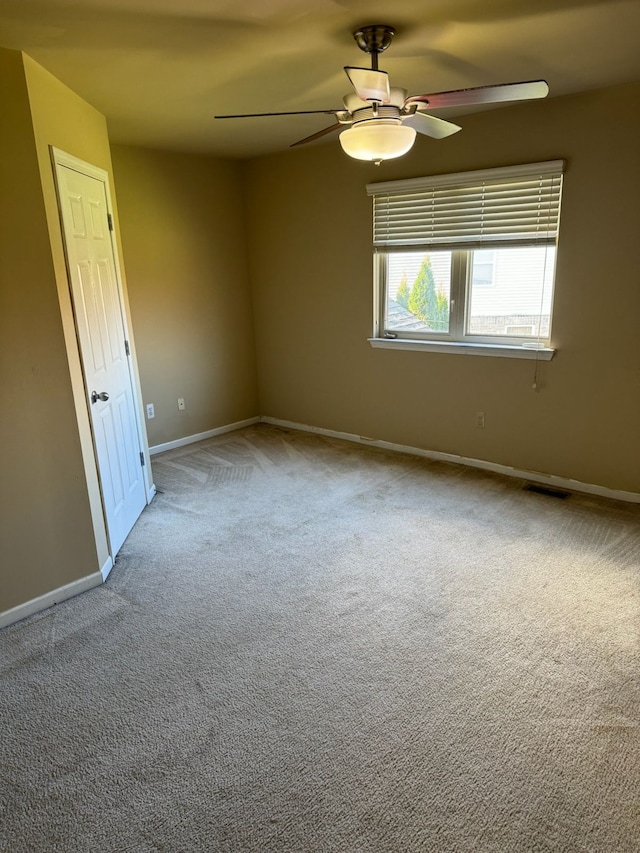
{"x": 399, "y": 319}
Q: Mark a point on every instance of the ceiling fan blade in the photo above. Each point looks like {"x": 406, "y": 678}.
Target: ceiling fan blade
{"x": 369, "y": 85}
{"x": 436, "y": 128}
{"x": 317, "y": 135}
{"x": 295, "y": 113}
{"x": 484, "y": 95}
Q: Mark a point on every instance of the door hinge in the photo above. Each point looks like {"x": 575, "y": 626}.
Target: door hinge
{"x": 126, "y": 348}
{"x": 142, "y": 459}
{"x": 110, "y": 221}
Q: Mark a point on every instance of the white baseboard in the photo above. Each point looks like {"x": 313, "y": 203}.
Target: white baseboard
{"x": 21, "y": 611}
{"x": 200, "y": 436}
{"x": 507, "y": 470}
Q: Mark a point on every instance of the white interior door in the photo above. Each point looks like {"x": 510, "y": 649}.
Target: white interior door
{"x": 104, "y": 349}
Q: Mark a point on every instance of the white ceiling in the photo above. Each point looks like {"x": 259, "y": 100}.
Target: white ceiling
{"x": 160, "y": 69}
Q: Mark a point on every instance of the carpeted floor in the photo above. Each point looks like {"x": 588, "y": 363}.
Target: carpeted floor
{"x": 309, "y": 646}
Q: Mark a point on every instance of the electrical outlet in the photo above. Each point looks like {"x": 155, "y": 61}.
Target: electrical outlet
{"x": 480, "y": 420}
{"x": 151, "y": 412}
{"x": 181, "y": 405}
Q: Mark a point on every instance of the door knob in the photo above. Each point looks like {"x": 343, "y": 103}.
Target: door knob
{"x": 95, "y": 396}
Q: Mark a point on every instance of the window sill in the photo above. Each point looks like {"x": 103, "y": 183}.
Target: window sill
{"x": 457, "y": 348}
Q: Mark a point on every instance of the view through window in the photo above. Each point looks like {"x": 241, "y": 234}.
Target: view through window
{"x": 506, "y": 291}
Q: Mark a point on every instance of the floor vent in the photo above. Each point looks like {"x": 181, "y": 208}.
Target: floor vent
{"x": 549, "y": 491}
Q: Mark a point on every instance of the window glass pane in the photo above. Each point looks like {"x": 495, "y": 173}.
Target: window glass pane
{"x": 418, "y": 291}
{"x": 484, "y": 264}
{"x": 515, "y": 300}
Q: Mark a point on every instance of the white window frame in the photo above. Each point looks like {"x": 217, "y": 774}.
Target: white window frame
{"x": 517, "y": 206}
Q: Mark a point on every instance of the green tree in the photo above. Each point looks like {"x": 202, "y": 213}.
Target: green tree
{"x": 402, "y": 296}
{"x": 422, "y": 299}
{"x": 427, "y": 303}
{"x": 441, "y": 323}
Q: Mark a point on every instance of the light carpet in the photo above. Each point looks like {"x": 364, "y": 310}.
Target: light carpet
{"x": 308, "y": 645}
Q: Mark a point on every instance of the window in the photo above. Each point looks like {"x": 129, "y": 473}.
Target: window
{"x": 468, "y": 258}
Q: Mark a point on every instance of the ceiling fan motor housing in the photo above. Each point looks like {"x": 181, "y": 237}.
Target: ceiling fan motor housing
{"x": 376, "y": 113}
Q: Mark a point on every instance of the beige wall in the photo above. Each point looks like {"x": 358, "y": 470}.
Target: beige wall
{"x": 46, "y": 530}
{"x": 310, "y": 225}
{"x": 185, "y": 245}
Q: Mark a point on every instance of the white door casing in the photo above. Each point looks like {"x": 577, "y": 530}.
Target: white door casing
{"x": 103, "y": 344}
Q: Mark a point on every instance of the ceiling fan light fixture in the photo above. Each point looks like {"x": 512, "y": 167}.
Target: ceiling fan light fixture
{"x": 377, "y": 140}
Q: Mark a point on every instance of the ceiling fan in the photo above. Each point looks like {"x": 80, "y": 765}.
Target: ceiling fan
{"x": 379, "y": 121}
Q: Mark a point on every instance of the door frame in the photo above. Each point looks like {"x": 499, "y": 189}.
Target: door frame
{"x": 59, "y": 159}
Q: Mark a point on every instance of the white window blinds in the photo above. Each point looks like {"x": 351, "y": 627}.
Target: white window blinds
{"x": 492, "y": 207}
